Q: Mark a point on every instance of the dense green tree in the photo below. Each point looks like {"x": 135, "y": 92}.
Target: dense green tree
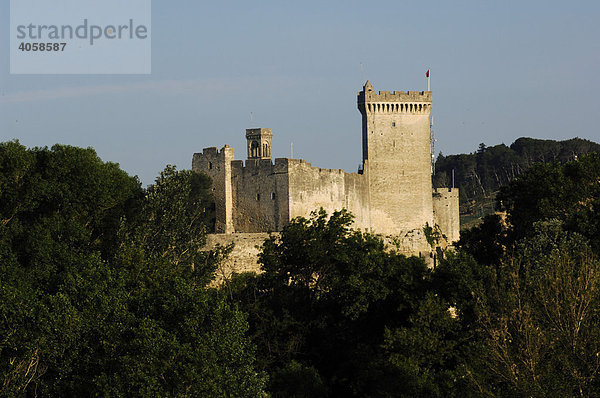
{"x": 539, "y": 319}
{"x": 102, "y": 288}
{"x": 330, "y": 306}
{"x": 60, "y": 211}
{"x": 456, "y": 280}
{"x": 62, "y": 201}
{"x": 569, "y": 192}
{"x": 486, "y": 242}
{"x": 173, "y": 220}
{"x": 529, "y": 299}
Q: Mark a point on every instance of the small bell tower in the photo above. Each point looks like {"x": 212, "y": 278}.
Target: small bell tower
{"x": 259, "y": 143}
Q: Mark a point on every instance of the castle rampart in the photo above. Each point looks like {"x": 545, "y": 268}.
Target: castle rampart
{"x": 266, "y": 196}
{"x": 332, "y": 189}
{"x": 391, "y": 196}
{"x": 244, "y": 257}
{"x": 446, "y": 210}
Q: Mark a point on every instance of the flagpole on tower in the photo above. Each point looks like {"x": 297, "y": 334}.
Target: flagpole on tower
{"x": 432, "y": 136}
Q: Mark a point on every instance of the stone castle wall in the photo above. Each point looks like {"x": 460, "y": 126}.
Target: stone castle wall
{"x": 260, "y": 195}
{"x": 263, "y": 197}
{"x": 446, "y": 212}
{"x": 247, "y": 247}
{"x": 244, "y": 257}
{"x": 392, "y": 197}
{"x": 332, "y": 189}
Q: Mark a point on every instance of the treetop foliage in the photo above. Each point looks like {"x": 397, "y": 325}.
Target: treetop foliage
{"x": 333, "y": 306}
{"x": 102, "y": 285}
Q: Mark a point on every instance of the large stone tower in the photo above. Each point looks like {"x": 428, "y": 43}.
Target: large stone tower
{"x": 397, "y": 158}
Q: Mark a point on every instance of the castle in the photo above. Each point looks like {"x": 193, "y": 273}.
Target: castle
{"x": 391, "y": 194}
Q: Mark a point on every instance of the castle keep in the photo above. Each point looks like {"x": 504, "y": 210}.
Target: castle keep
{"x": 390, "y": 195}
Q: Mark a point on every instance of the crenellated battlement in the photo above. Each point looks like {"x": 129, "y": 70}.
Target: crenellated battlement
{"x": 214, "y": 153}
{"x": 212, "y": 160}
{"x": 301, "y": 163}
{"x": 394, "y": 102}
{"x": 281, "y": 165}
{"x": 395, "y": 96}
{"x": 368, "y": 94}
{"x": 259, "y": 166}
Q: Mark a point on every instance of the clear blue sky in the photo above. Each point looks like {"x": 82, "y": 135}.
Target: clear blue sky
{"x": 499, "y": 71}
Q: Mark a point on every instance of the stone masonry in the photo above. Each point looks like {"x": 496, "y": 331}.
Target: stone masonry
{"x": 391, "y": 194}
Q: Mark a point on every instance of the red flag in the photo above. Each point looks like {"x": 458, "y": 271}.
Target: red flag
{"x": 427, "y": 73}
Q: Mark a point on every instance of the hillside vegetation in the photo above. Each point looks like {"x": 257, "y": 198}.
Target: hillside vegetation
{"x": 479, "y": 175}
